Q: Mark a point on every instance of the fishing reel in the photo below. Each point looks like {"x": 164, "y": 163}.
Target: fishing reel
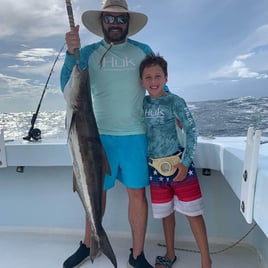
{"x": 34, "y": 134}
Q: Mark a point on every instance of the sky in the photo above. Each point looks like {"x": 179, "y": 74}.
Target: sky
{"x": 215, "y": 49}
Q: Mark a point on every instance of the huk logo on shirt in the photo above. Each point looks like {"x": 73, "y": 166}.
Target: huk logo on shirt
{"x": 118, "y": 63}
{"x": 152, "y": 113}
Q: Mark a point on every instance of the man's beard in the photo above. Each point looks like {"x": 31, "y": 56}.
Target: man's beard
{"x": 119, "y": 38}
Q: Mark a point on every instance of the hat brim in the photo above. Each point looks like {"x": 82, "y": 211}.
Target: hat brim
{"x": 91, "y": 20}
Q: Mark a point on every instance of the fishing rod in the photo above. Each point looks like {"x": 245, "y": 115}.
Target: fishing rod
{"x": 35, "y": 133}
{"x": 72, "y": 25}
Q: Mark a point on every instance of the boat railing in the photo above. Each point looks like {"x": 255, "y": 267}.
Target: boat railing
{"x": 3, "y": 160}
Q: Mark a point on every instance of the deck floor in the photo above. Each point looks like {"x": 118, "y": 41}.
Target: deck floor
{"x": 49, "y": 250}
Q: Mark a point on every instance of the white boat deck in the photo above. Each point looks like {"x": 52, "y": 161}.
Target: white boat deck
{"x": 35, "y": 249}
{"x": 41, "y": 219}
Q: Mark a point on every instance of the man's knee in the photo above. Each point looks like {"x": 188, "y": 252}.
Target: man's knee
{"x": 137, "y": 194}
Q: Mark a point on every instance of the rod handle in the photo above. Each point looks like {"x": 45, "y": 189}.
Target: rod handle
{"x": 72, "y": 25}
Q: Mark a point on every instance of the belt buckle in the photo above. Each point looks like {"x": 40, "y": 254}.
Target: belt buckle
{"x": 165, "y": 167}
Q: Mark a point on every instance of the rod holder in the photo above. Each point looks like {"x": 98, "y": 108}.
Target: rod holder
{"x": 249, "y": 174}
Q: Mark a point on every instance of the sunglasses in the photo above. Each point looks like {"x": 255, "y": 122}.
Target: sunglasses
{"x": 110, "y": 19}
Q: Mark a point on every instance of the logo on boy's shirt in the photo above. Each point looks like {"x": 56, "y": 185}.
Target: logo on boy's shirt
{"x": 152, "y": 113}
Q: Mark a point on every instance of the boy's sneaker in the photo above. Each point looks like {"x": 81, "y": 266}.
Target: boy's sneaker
{"x": 140, "y": 262}
{"x": 78, "y": 258}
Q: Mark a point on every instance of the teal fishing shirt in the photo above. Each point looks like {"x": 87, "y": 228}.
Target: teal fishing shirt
{"x": 160, "y": 116}
{"x": 115, "y": 85}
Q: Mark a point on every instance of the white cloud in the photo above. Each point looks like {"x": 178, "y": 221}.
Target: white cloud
{"x": 261, "y": 35}
{"x": 245, "y": 56}
{"x": 37, "y": 61}
{"x": 257, "y": 38}
{"x": 237, "y": 70}
{"x": 32, "y": 18}
{"x": 35, "y": 54}
{"x": 41, "y": 70}
{"x": 14, "y": 85}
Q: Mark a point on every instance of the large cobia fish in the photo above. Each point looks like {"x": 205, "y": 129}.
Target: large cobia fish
{"x": 89, "y": 159}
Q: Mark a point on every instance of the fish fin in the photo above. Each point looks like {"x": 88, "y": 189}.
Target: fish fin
{"x": 72, "y": 84}
{"x": 102, "y": 243}
{"x": 74, "y": 183}
{"x": 70, "y": 124}
{"x": 107, "y": 169}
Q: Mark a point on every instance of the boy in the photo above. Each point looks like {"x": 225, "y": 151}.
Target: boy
{"x": 174, "y": 184}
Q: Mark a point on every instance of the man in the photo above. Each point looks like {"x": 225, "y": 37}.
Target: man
{"x": 113, "y": 65}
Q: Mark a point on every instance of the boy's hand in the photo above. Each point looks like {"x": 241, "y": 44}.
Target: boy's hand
{"x": 182, "y": 172}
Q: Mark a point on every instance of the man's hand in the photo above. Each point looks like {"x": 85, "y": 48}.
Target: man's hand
{"x": 73, "y": 40}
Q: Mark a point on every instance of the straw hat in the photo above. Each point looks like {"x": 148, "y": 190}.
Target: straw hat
{"x": 91, "y": 18}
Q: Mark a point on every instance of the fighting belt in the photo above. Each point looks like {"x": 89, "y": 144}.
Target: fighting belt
{"x": 165, "y": 165}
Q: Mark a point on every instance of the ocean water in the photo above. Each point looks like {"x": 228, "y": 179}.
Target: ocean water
{"x": 230, "y": 117}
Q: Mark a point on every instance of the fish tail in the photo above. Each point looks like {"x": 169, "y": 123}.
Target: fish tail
{"x": 95, "y": 248}
{"x": 102, "y": 244}
{"x": 107, "y": 248}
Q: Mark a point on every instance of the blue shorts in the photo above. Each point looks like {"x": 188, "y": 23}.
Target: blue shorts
{"x": 127, "y": 156}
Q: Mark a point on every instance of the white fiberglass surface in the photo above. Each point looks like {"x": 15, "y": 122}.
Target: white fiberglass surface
{"x": 43, "y": 250}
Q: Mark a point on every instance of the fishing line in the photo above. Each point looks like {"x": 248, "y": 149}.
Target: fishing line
{"x": 218, "y": 251}
{"x": 35, "y": 133}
